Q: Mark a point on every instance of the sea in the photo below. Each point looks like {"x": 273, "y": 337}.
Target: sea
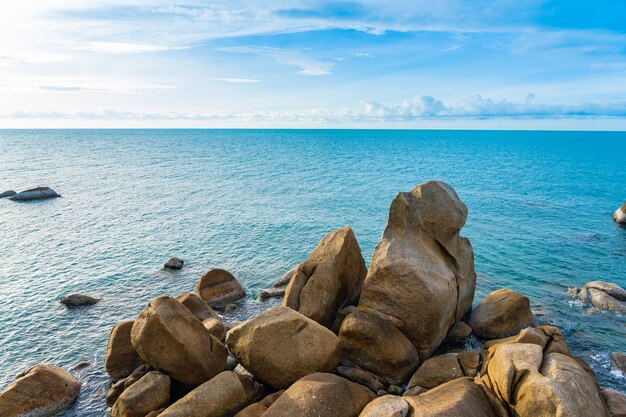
{"x": 256, "y": 202}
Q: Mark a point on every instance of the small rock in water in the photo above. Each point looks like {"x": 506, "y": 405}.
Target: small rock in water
{"x": 602, "y": 295}
{"x": 81, "y": 365}
{"x": 9, "y": 193}
{"x": 78, "y": 300}
{"x": 230, "y": 307}
{"x": 619, "y": 360}
{"x": 174, "y": 263}
{"x": 271, "y": 293}
{"x": 620, "y": 214}
{"x": 38, "y": 193}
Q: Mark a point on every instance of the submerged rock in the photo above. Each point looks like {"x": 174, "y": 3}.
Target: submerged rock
{"x": 9, "y": 193}
{"x": 43, "y": 390}
{"x": 500, "y": 314}
{"x": 219, "y": 287}
{"x": 174, "y": 263}
{"x": 620, "y": 214}
{"x": 38, "y": 193}
{"x": 78, "y": 300}
{"x": 602, "y": 295}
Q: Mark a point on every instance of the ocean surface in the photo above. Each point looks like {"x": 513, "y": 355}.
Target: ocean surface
{"x": 256, "y": 202}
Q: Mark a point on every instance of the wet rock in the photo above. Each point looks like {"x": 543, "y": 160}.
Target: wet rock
{"x": 197, "y": 307}
{"x": 219, "y": 287}
{"x": 230, "y": 308}
{"x": 620, "y": 214}
{"x": 148, "y": 394}
{"x": 502, "y": 313}
{"x": 386, "y": 406}
{"x": 9, "y": 193}
{"x": 78, "y": 300}
{"x": 615, "y": 401}
{"x": 436, "y": 371}
{"x": 118, "y": 388}
{"x": 602, "y": 295}
{"x": 362, "y": 377}
{"x": 619, "y": 361}
{"x": 43, "y": 390}
{"x": 121, "y": 359}
{"x": 395, "y": 390}
{"x": 458, "y": 333}
{"x": 38, "y": 193}
{"x": 174, "y": 263}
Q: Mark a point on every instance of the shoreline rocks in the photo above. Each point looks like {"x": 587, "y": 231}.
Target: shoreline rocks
{"x": 38, "y": 193}
{"x": 174, "y": 263}
{"x": 121, "y": 359}
{"x": 620, "y": 214}
{"x": 78, "y": 300}
{"x": 218, "y": 288}
{"x": 602, "y": 295}
{"x": 500, "y": 314}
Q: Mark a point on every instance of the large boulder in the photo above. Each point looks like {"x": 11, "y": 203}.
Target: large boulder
{"x": 281, "y": 346}
{"x": 121, "y": 385}
{"x": 620, "y": 214}
{"x": 197, "y": 307}
{"x": 168, "y": 337}
{"x": 421, "y": 279}
{"x": 222, "y": 396}
{"x": 219, "y": 287}
{"x": 602, "y": 295}
{"x": 257, "y": 409}
{"x": 321, "y": 395}
{"x": 38, "y": 193}
{"x": 615, "y": 402}
{"x": 330, "y": 279}
{"x": 43, "y": 390}
{"x": 121, "y": 359}
{"x": 500, "y": 314}
{"x": 386, "y": 406}
{"x": 150, "y": 393}
{"x": 436, "y": 371}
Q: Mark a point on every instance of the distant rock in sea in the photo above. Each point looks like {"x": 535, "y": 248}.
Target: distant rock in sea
{"x": 602, "y": 295}
{"x": 38, "y": 193}
{"x": 78, "y": 300}
{"x": 620, "y": 214}
{"x": 174, "y": 263}
{"x": 9, "y": 193}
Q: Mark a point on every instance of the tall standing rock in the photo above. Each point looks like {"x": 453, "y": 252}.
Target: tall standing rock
{"x": 330, "y": 278}
{"x": 121, "y": 358}
{"x": 421, "y": 279}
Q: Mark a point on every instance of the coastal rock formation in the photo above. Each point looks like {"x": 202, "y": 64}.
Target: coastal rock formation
{"x": 168, "y": 337}
{"x": 436, "y": 371}
{"x": 222, "y": 396}
{"x": 123, "y": 384}
{"x": 620, "y": 214}
{"x": 197, "y": 307}
{"x": 150, "y": 393}
{"x": 500, "y": 314}
{"x": 360, "y": 376}
{"x": 279, "y": 287}
{"x": 121, "y": 359}
{"x": 615, "y": 402}
{"x": 38, "y": 193}
{"x": 458, "y": 333}
{"x": 330, "y": 278}
{"x": 420, "y": 282}
{"x": 215, "y": 327}
{"x": 386, "y": 406}
{"x": 43, "y": 390}
{"x": 9, "y": 193}
{"x": 78, "y": 300}
{"x": 257, "y": 409}
{"x": 219, "y": 287}
{"x": 281, "y": 345}
{"x": 321, "y": 395}
{"x": 174, "y": 263}
{"x": 602, "y": 295}
{"x": 619, "y": 361}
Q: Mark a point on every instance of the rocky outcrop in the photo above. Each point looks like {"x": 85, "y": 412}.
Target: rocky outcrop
{"x": 330, "y": 279}
{"x": 321, "y": 395}
{"x": 620, "y": 214}
{"x": 150, "y": 393}
{"x": 615, "y": 402}
{"x": 386, "y": 406}
{"x": 421, "y": 280}
{"x": 257, "y": 409}
{"x": 222, "y": 396}
{"x": 78, "y": 300}
{"x": 500, "y": 314}
{"x": 279, "y": 287}
{"x": 168, "y": 337}
{"x": 367, "y": 379}
{"x": 43, "y": 390}
{"x": 602, "y": 295}
{"x": 9, "y": 193}
{"x": 174, "y": 263}
{"x": 197, "y": 307}
{"x": 38, "y": 193}
{"x": 121, "y": 359}
{"x": 281, "y": 346}
{"x": 120, "y": 386}
{"x": 219, "y": 287}
{"x": 436, "y": 371}
{"x": 458, "y": 333}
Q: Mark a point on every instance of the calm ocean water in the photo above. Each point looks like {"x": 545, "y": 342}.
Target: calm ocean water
{"x": 256, "y": 202}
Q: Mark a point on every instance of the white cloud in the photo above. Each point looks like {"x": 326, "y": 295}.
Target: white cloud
{"x": 119, "y": 47}
{"x": 92, "y": 84}
{"x": 32, "y": 57}
{"x": 307, "y": 65}
{"x": 233, "y": 80}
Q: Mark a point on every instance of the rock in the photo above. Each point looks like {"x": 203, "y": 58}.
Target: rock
{"x": 221, "y": 396}
{"x": 386, "y": 406}
{"x": 197, "y": 307}
{"x": 174, "y": 263}
{"x": 620, "y": 214}
{"x": 118, "y": 388}
{"x": 271, "y": 293}
{"x": 502, "y": 313}
{"x": 258, "y": 408}
{"x": 254, "y": 390}
{"x": 469, "y": 362}
{"x": 155, "y": 413}
{"x": 362, "y": 377}
{"x": 458, "y": 333}
{"x": 43, "y": 390}
{"x": 340, "y": 317}
{"x": 611, "y": 289}
{"x": 150, "y": 393}
{"x": 168, "y": 337}
{"x": 321, "y": 395}
{"x": 602, "y": 295}
{"x": 330, "y": 279}
{"x": 615, "y": 402}
{"x": 414, "y": 391}
{"x": 230, "y": 308}
{"x": 422, "y": 261}
{"x": 80, "y": 366}
{"x": 619, "y": 360}
{"x": 395, "y": 390}
{"x": 458, "y": 398}
{"x": 9, "y": 193}
{"x": 281, "y": 345}
{"x": 215, "y": 327}
{"x": 78, "y": 300}
{"x": 219, "y": 287}
{"x": 436, "y": 371}
{"x": 121, "y": 359}
{"x": 38, "y": 193}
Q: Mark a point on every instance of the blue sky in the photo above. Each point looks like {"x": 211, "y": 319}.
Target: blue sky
{"x": 407, "y": 64}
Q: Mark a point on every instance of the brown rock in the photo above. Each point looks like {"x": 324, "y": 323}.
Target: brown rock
{"x": 469, "y": 362}
{"x": 619, "y": 360}
{"x": 459, "y": 333}
{"x": 118, "y": 388}
{"x": 169, "y": 338}
{"x": 330, "y": 279}
{"x": 197, "y": 307}
{"x": 602, "y": 295}
{"x": 340, "y": 317}
{"x": 121, "y": 359}
{"x": 219, "y": 287}
{"x": 436, "y": 371}
{"x": 502, "y": 313}
{"x": 321, "y": 395}
{"x": 281, "y": 345}
{"x": 43, "y": 390}
{"x": 174, "y": 263}
{"x": 215, "y": 327}
{"x": 221, "y": 396}
{"x": 620, "y": 214}
{"x": 150, "y": 393}
{"x": 386, "y": 406}
{"x": 414, "y": 391}
{"x": 615, "y": 401}
{"x": 258, "y": 408}
{"x": 362, "y": 377}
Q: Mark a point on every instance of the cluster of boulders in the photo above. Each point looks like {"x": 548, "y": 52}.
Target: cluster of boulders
{"x": 602, "y": 295}
{"x": 38, "y": 193}
{"x": 353, "y": 342}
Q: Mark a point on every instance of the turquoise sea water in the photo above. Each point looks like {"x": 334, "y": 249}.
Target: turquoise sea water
{"x": 256, "y": 202}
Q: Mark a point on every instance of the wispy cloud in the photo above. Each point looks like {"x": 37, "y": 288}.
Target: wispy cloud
{"x": 306, "y": 64}
{"x": 233, "y": 80}
{"x": 91, "y": 84}
{"x": 120, "y": 47}
{"x": 32, "y": 57}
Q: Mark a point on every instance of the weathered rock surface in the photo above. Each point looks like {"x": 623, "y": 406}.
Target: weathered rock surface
{"x": 500, "y": 314}
{"x": 615, "y": 402}
{"x": 281, "y": 346}
{"x": 386, "y": 406}
{"x": 174, "y": 263}
{"x": 436, "y": 371}
{"x": 458, "y": 333}
{"x": 321, "y": 395}
{"x": 78, "y": 300}
{"x": 330, "y": 279}
{"x": 150, "y": 393}
{"x": 620, "y": 214}
{"x": 602, "y": 295}
{"x": 168, "y": 337}
{"x": 38, "y": 193}
{"x": 121, "y": 359}
{"x": 215, "y": 327}
{"x": 219, "y": 287}
{"x": 222, "y": 396}
{"x": 258, "y": 408}
{"x": 43, "y": 390}
{"x": 197, "y": 307}
{"x": 9, "y": 193}
{"x": 421, "y": 279}
{"x": 118, "y": 388}
{"x": 619, "y": 361}
{"x": 362, "y": 377}
{"x": 279, "y": 287}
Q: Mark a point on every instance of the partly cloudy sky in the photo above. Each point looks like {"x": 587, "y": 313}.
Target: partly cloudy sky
{"x": 534, "y": 64}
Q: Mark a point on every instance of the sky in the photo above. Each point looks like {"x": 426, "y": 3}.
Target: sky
{"x": 498, "y": 64}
